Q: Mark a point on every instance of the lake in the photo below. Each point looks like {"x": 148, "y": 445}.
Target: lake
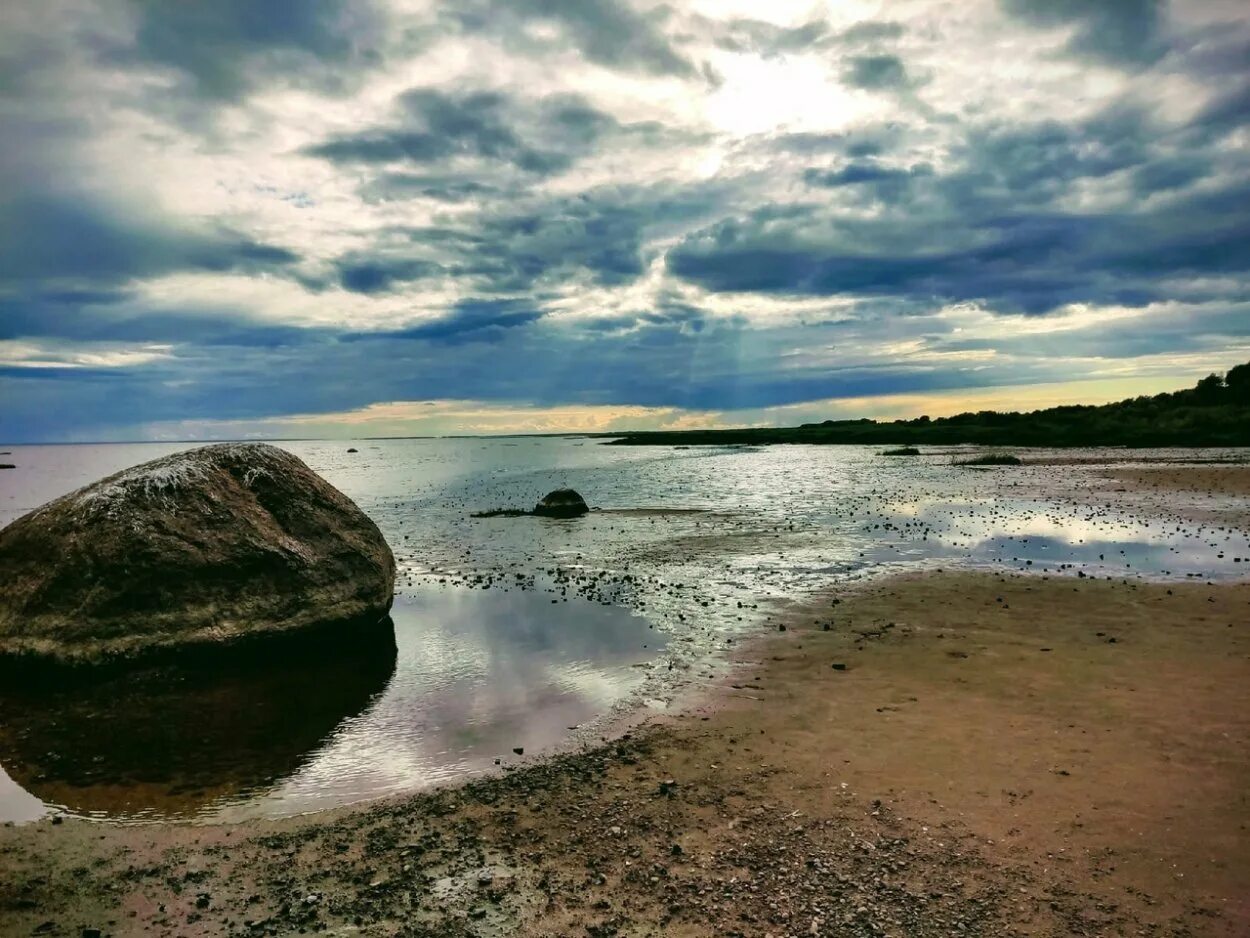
{"x": 536, "y": 634}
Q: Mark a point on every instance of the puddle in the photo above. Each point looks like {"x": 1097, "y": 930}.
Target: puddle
{"x": 476, "y": 674}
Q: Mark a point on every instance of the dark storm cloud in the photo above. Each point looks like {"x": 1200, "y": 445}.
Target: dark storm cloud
{"x": 120, "y": 316}
{"x": 1164, "y": 175}
{"x": 1038, "y": 162}
{"x": 1116, "y": 31}
{"x": 227, "y": 47}
{"x": 1227, "y": 112}
{"x": 73, "y": 238}
{"x": 475, "y": 320}
{"x": 887, "y": 183}
{"x": 61, "y": 229}
{"x": 868, "y": 31}
{"x": 441, "y": 187}
{"x": 435, "y": 126}
{"x": 598, "y": 235}
{"x": 24, "y": 64}
{"x": 877, "y": 73}
{"x": 1014, "y": 261}
{"x": 607, "y": 32}
{"x": 989, "y": 228}
{"x": 533, "y": 243}
{"x": 363, "y": 274}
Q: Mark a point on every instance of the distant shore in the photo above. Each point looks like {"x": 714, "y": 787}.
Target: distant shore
{"x": 1215, "y": 412}
{"x": 982, "y": 753}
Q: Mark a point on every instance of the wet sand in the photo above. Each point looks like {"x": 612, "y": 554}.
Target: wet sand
{"x": 1215, "y": 480}
{"x": 988, "y": 762}
{"x": 1212, "y": 493}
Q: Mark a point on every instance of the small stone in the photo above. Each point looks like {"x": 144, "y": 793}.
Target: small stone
{"x": 562, "y": 503}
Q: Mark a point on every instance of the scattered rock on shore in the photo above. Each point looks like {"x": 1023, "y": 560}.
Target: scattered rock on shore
{"x": 202, "y": 548}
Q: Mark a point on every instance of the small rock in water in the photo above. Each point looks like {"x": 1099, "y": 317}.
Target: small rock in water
{"x": 562, "y": 503}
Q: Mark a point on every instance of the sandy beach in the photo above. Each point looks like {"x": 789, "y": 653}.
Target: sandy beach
{"x": 934, "y": 754}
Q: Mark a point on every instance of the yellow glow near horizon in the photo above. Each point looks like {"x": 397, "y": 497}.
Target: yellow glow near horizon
{"x": 474, "y": 418}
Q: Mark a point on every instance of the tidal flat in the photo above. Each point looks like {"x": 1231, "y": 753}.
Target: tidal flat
{"x": 875, "y": 699}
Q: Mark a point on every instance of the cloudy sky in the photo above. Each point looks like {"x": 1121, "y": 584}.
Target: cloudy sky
{"x": 378, "y": 217}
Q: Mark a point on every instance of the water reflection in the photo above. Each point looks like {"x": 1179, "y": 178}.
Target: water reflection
{"x": 170, "y": 742}
{"x": 477, "y": 673}
{"x": 480, "y": 674}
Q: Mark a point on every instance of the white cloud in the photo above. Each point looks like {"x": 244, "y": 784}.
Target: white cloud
{"x": 21, "y": 354}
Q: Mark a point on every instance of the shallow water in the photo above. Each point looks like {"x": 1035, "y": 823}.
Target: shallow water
{"x": 474, "y": 675}
{"x": 704, "y": 543}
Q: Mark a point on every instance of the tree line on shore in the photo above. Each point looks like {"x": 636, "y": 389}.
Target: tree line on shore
{"x": 1215, "y": 412}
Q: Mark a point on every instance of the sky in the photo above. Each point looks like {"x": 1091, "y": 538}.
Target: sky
{"x": 351, "y": 218}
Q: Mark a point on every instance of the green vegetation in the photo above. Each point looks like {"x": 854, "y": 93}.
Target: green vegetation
{"x": 1215, "y": 412}
{"x": 992, "y": 459}
{"x": 902, "y": 451}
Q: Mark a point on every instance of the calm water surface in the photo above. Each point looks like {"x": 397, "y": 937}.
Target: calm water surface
{"x": 475, "y": 675}
{"x": 690, "y": 548}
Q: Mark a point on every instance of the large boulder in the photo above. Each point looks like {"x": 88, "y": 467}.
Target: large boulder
{"x": 562, "y": 503}
{"x": 206, "y": 548}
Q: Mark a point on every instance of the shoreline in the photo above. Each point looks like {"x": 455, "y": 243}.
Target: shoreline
{"x": 798, "y": 799}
